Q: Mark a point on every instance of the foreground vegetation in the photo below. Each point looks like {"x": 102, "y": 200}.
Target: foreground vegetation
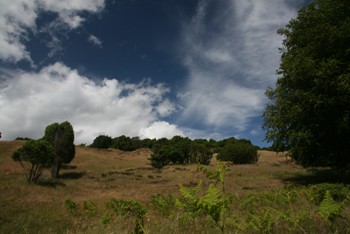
{"x": 112, "y": 191}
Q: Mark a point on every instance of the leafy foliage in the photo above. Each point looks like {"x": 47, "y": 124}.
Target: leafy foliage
{"x": 328, "y": 208}
{"x": 238, "y": 152}
{"x": 102, "y": 142}
{"x": 213, "y": 203}
{"x": 130, "y": 208}
{"x": 127, "y": 143}
{"x": 61, "y": 137}
{"x": 179, "y": 150}
{"x": 200, "y": 153}
{"x": 309, "y": 112}
{"x": 34, "y": 156}
{"x": 338, "y": 192}
{"x": 165, "y": 205}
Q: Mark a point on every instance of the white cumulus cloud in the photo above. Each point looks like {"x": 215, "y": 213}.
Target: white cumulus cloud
{"x": 19, "y": 16}
{"x": 30, "y": 101}
{"x": 160, "y": 129}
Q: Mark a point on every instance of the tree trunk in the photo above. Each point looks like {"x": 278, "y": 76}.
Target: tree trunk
{"x": 55, "y": 168}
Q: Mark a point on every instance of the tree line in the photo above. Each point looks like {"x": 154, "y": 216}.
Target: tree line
{"x": 57, "y": 148}
{"x": 183, "y": 150}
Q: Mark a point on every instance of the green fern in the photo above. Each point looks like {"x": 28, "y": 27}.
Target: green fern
{"x": 328, "y": 208}
{"x": 218, "y": 174}
{"x": 188, "y": 201}
{"x": 261, "y": 223}
{"x": 213, "y": 203}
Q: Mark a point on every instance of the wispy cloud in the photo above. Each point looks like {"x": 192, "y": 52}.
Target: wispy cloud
{"x": 17, "y": 17}
{"x": 29, "y": 101}
{"x": 95, "y": 40}
{"x": 231, "y": 52}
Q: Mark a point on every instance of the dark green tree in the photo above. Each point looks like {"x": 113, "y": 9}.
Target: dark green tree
{"x": 61, "y": 137}
{"x": 126, "y": 143}
{"x": 238, "y": 152}
{"x": 309, "y": 109}
{"x": 102, "y": 142}
{"x": 161, "y": 157}
{"x": 200, "y": 153}
{"x": 34, "y": 156}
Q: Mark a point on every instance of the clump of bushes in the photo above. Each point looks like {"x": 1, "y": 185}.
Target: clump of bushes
{"x": 102, "y": 142}
{"x": 238, "y": 152}
{"x": 123, "y": 142}
{"x": 179, "y": 150}
{"x": 182, "y": 150}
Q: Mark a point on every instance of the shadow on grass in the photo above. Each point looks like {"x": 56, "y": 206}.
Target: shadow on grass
{"x": 50, "y": 183}
{"x": 72, "y": 175}
{"x": 317, "y": 176}
{"x": 66, "y": 166}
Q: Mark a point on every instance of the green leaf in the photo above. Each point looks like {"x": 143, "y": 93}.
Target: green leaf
{"x": 329, "y": 209}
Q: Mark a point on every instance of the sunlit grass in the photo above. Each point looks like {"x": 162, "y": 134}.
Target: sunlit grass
{"x": 100, "y": 175}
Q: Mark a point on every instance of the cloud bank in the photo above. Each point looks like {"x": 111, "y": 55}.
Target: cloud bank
{"x": 230, "y": 49}
{"x": 30, "y": 101}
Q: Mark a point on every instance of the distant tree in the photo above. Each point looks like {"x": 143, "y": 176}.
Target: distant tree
{"x": 158, "y": 144}
{"x": 102, "y": 142}
{"x": 309, "y": 109}
{"x": 162, "y": 157}
{"x": 34, "y": 156}
{"x": 238, "y": 152}
{"x": 126, "y": 143}
{"x": 181, "y": 147}
{"x": 61, "y": 137}
{"x": 23, "y": 139}
{"x": 180, "y": 150}
{"x": 148, "y": 143}
{"x": 200, "y": 153}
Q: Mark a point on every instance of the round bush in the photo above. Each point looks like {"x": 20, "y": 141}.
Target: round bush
{"x": 102, "y": 142}
{"x": 238, "y": 153}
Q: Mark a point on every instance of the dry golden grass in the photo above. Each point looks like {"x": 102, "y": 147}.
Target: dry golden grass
{"x": 98, "y": 175}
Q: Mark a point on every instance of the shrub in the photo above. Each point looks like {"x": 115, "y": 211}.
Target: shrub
{"x": 161, "y": 158}
{"x": 34, "y": 156}
{"x": 102, "y": 142}
{"x": 200, "y": 153}
{"x": 239, "y": 152}
{"x": 126, "y": 143}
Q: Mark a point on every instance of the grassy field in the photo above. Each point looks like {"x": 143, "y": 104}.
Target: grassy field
{"x": 96, "y": 176}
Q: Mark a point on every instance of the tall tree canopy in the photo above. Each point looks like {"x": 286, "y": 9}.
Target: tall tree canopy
{"x": 61, "y": 136}
{"x": 309, "y": 109}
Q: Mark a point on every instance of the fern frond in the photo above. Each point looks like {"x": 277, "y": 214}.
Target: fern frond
{"x": 328, "y": 208}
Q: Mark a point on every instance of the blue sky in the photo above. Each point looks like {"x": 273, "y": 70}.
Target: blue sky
{"x": 148, "y": 68}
